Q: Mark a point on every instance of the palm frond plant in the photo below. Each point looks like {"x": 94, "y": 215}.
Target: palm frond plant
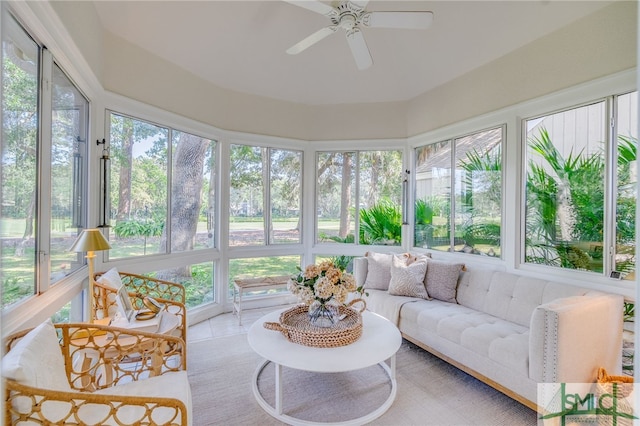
{"x": 482, "y": 178}
{"x": 565, "y": 204}
{"x": 381, "y": 224}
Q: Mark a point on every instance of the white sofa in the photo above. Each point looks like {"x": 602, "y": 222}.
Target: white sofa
{"x": 510, "y": 331}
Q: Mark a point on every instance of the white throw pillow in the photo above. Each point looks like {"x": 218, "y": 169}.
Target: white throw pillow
{"x": 111, "y": 278}
{"x": 408, "y": 280}
{"x": 36, "y": 360}
{"x": 378, "y": 271}
{"x": 416, "y": 257}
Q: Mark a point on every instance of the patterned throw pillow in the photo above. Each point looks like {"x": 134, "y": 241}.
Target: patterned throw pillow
{"x": 408, "y": 280}
{"x": 378, "y": 271}
{"x": 441, "y": 280}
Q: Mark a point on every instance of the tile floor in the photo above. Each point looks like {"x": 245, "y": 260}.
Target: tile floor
{"x": 227, "y": 324}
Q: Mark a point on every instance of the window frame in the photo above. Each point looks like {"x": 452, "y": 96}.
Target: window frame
{"x": 267, "y": 221}
{"x": 451, "y": 138}
{"x": 170, "y": 128}
{"x": 609, "y": 124}
{"x": 46, "y": 62}
{"x": 356, "y": 151}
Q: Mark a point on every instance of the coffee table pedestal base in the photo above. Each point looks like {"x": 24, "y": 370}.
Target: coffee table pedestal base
{"x": 277, "y": 410}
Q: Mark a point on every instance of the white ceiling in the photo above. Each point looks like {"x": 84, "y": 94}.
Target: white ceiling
{"x": 240, "y": 45}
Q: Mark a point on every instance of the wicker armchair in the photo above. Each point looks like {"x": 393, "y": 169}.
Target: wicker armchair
{"x": 171, "y": 294}
{"x": 82, "y": 374}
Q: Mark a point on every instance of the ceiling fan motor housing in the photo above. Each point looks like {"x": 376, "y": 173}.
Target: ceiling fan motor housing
{"x": 349, "y": 16}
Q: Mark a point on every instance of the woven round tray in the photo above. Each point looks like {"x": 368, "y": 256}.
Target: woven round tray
{"x": 295, "y": 326}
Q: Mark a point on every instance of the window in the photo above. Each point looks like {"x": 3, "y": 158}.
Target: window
{"x": 69, "y": 135}
{"x": 20, "y": 64}
{"x": 155, "y": 211}
{"x": 265, "y": 196}
{"x": 139, "y": 166}
{"x": 569, "y": 223}
{"x": 565, "y": 188}
{"x": 198, "y": 281}
{"x": 44, "y": 168}
{"x": 468, "y": 218}
{"x": 253, "y": 267}
{"x": 193, "y": 192}
{"x": 140, "y": 183}
{"x": 359, "y": 192}
{"x": 626, "y": 183}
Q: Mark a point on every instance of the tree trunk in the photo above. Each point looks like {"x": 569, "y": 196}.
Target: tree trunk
{"x": 28, "y": 227}
{"x": 373, "y": 184}
{"x": 211, "y": 200}
{"x": 345, "y": 202}
{"x": 124, "y": 178}
{"x": 186, "y": 196}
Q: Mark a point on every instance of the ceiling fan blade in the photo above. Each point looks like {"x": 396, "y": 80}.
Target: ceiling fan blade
{"x": 359, "y": 49}
{"x": 314, "y": 6}
{"x": 410, "y": 20}
{"x": 360, "y": 3}
{"x": 311, "y": 40}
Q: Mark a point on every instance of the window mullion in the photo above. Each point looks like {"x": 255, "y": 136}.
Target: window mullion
{"x": 169, "y": 219}
{"x": 610, "y": 192}
{"x": 43, "y": 216}
{"x": 452, "y": 196}
{"x": 356, "y": 197}
{"x": 266, "y": 200}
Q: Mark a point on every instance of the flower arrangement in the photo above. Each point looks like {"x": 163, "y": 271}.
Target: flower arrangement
{"x": 325, "y": 282}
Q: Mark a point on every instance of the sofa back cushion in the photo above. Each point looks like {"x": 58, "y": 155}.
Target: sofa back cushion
{"x": 509, "y": 296}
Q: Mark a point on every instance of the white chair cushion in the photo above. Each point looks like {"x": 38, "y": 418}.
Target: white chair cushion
{"x": 36, "y": 360}
{"x": 169, "y": 385}
{"x": 111, "y": 278}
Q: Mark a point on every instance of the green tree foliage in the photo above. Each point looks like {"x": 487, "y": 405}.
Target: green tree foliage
{"x": 139, "y": 176}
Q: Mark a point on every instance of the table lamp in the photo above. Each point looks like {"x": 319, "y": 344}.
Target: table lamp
{"x": 90, "y": 240}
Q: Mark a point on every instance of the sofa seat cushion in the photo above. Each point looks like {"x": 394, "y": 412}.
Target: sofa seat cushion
{"x": 490, "y": 337}
{"x": 169, "y": 385}
{"x": 387, "y": 305}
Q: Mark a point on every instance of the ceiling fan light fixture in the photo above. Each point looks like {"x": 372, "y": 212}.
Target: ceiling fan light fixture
{"x": 350, "y": 16}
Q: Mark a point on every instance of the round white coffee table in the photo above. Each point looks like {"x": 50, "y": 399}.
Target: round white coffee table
{"x": 380, "y": 341}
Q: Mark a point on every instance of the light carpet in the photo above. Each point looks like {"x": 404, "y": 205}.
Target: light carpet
{"x": 430, "y": 391}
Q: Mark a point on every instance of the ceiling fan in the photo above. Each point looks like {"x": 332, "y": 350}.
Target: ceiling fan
{"x": 351, "y": 16}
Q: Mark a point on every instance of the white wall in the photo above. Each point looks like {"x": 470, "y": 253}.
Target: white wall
{"x": 597, "y": 45}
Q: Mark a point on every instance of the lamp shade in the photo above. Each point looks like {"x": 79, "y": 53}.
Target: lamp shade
{"x": 90, "y": 240}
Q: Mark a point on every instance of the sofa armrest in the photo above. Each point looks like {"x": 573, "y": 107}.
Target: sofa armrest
{"x": 573, "y": 336}
{"x": 360, "y": 265}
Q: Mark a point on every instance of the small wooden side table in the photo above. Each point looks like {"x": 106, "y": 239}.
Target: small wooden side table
{"x": 242, "y": 285}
